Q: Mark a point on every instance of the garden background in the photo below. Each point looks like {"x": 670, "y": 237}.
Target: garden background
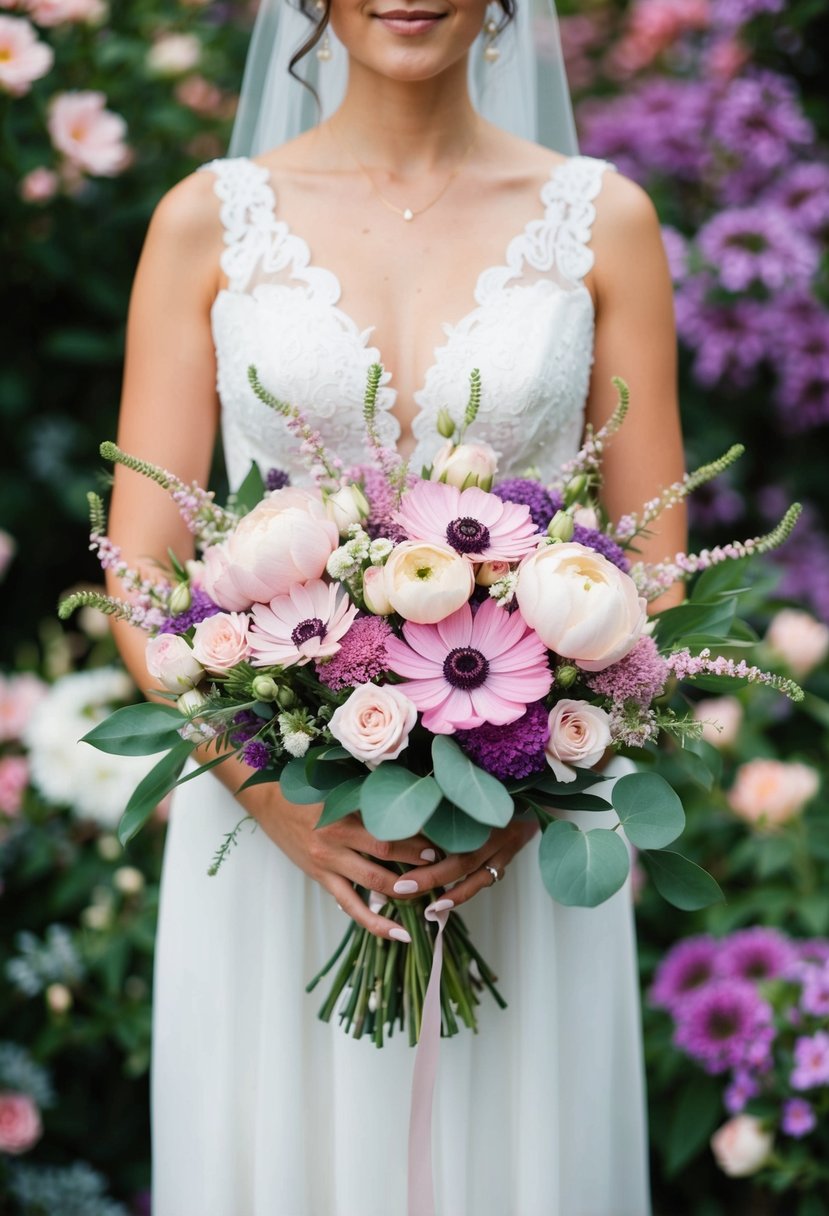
{"x": 717, "y": 108}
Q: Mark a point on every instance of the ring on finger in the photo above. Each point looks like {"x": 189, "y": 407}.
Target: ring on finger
{"x": 497, "y": 874}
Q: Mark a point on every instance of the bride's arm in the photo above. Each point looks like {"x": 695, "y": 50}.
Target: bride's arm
{"x": 169, "y": 415}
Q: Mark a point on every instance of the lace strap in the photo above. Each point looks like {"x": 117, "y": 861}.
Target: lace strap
{"x": 569, "y": 198}
{"x": 248, "y": 215}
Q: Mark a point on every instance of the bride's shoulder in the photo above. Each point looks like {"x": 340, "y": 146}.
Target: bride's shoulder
{"x": 189, "y": 211}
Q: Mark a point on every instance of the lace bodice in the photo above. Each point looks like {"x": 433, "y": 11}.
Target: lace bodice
{"x": 530, "y": 333}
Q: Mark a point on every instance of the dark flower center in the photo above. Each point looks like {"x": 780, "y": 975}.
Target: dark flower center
{"x": 723, "y": 1024}
{"x": 699, "y": 973}
{"x": 467, "y": 535}
{"x": 305, "y": 630}
{"x": 465, "y": 667}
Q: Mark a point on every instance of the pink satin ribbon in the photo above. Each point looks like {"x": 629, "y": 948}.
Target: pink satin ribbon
{"x": 421, "y": 1184}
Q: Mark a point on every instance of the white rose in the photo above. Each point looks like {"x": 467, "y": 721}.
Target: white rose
{"x": 171, "y": 660}
{"x": 579, "y": 734}
{"x": 426, "y": 583}
{"x": 174, "y": 54}
{"x": 465, "y": 464}
{"x": 221, "y": 641}
{"x": 374, "y": 723}
{"x": 346, "y": 508}
{"x": 374, "y": 591}
{"x": 741, "y": 1146}
{"x": 580, "y": 604}
{"x": 721, "y": 719}
{"x": 799, "y": 640}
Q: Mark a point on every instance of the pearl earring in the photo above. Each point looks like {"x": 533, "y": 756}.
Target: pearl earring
{"x": 324, "y": 48}
{"x": 491, "y": 51}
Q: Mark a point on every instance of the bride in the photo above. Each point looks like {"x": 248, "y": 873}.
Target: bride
{"x": 420, "y": 224}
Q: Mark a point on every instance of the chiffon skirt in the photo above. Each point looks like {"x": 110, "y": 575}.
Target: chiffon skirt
{"x": 260, "y": 1109}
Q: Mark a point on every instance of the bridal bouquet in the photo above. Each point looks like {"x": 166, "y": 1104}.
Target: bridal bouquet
{"x": 438, "y": 652}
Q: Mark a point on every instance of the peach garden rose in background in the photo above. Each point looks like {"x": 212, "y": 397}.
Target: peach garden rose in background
{"x": 771, "y": 792}
{"x": 721, "y": 719}
{"x": 801, "y": 642}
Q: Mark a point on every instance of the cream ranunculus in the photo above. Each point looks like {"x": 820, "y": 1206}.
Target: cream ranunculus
{"x": 465, "y": 464}
{"x": 286, "y": 539}
{"x": 425, "y": 582}
{"x": 580, "y": 605}
{"x": 579, "y": 734}
{"x": 741, "y": 1146}
{"x": 221, "y": 641}
{"x": 170, "y": 659}
{"x": 374, "y": 723}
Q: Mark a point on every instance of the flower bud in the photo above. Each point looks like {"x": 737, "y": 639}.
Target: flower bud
{"x": 464, "y": 465}
{"x": 285, "y": 699}
{"x": 374, "y": 591}
{"x": 560, "y": 527}
{"x": 180, "y": 599}
{"x": 264, "y": 688}
{"x": 491, "y": 572}
{"x": 58, "y": 998}
{"x": 566, "y": 675}
{"x": 190, "y": 702}
{"x": 586, "y": 517}
{"x": 109, "y": 847}
{"x": 128, "y": 880}
{"x": 446, "y": 424}
{"x": 575, "y": 489}
{"x": 348, "y": 506}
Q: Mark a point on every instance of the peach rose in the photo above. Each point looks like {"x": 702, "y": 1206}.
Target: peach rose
{"x": 20, "y": 1125}
{"x": 89, "y": 136}
{"x": 374, "y": 723}
{"x": 580, "y": 605}
{"x": 170, "y": 659}
{"x": 465, "y": 464}
{"x": 771, "y": 792}
{"x": 14, "y": 777}
{"x": 286, "y": 539}
{"x": 425, "y": 582}
{"x": 721, "y": 719}
{"x": 741, "y": 1146}
{"x": 579, "y": 734}
{"x": 799, "y": 640}
{"x": 23, "y": 58}
{"x": 221, "y": 641}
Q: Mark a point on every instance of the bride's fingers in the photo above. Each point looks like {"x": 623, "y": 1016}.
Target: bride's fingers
{"x": 479, "y": 879}
{"x": 352, "y": 904}
{"x": 414, "y": 851}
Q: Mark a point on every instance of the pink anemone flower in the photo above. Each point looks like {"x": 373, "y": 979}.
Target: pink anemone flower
{"x": 467, "y": 670}
{"x": 479, "y": 525}
{"x": 305, "y": 624}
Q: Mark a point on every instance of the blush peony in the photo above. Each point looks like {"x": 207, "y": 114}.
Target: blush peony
{"x": 374, "y": 723}
{"x": 580, "y": 605}
{"x": 286, "y": 539}
{"x": 426, "y": 582}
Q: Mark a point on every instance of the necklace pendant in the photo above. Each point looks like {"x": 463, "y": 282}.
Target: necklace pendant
{"x": 408, "y": 214}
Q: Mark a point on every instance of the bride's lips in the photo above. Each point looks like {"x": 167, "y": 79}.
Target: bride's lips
{"x": 409, "y": 21}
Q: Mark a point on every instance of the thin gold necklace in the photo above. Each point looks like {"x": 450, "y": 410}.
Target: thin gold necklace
{"x": 408, "y": 213}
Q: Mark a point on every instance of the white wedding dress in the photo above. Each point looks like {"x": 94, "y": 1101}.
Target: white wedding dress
{"x": 259, "y": 1108}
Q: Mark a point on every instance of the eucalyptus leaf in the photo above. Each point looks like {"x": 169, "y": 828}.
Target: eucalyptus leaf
{"x": 341, "y": 801}
{"x": 649, "y": 810}
{"x": 582, "y": 869}
{"x": 585, "y": 779}
{"x": 480, "y": 794}
{"x": 452, "y": 830}
{"x": 295, "y": 786}
{"x": 679, "y": 881}
{"x": 137, "y": 730}
{"x": 149, "y": 792}
{"x": 396, "y": 802}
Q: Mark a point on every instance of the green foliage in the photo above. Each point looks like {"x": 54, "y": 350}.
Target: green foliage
{"x": 396, "y": 802}
{"x": 480, "y": 795}
{"x": 582, "y": 869}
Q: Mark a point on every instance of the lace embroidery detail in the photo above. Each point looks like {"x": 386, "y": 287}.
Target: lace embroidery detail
{"x": 531, "y": 334}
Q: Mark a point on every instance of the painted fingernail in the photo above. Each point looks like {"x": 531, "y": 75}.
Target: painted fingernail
{"x": 405, "y": 886}
{"x": 441, "y": 905}
{"x": 428, "y": 855}
{"x": 376, "y": 900}
{"x": 400, "y": 935}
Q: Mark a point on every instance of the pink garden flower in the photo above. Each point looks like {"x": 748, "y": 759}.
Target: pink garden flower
{"x": 39, "y": 185}
{"x": 19, "y": 696}
{"x": 14, "y": 777}
{"x": 472, "y": 522}
{"x": 89, "y": 136}
{"x": 23, "y": 58}
{"x": 20, "y": 1125}
{"x": 305, "y": 624}
{"x": 467, "y": 670}
{"x": 60, "y": 12}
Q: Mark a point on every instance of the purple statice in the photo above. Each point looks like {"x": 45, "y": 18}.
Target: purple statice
{"x": 201, "y": 607}
{"x": 730, "y": 339}
{"x": 684, "y": 970}
{"x": 654, "y": 128}
{"x": 640, "y": 676}
{"x": 256, "y": 754}
{"x": 798, "y": 1118}
{"x": 758, "y": 121}
{"x": 382, "y": 499}
{"x": 543, "y": 503}
{"x": 811, "y": 1061}
{"x": 743, "y": 1087}
{"x": 727, "y": 1024}
{"x": 802, "y": 392}
{"x": 814, "y": 996}
{"x": 277, "y": 479}
{"x": 246, "y": 724}
{"x": 756, "y": 247}
{"x": 592, "y": 538}
{"x": 361, "y": 657}
{"x": 755, "y": 954}
{"x": 803, "y": 192}
{"x": 515, "y": 750}
{"x": 804, "y": 559}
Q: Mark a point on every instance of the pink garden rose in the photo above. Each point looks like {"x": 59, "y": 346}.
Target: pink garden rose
{"x": 799, "y": 640}
{"x": 23, "y": 58}
{"x": 39, "y": 185}
{"x": 173, "y": 54}
{"x": 741, "y": 1146}
{"x": 771, "y": 792}
{"x": 580, "y": 605}
{"x": 8, "y": 548}
{"x": 286, "y": 539}
{"x": 721, "y": 719}
{"x": 20, "y": 1125}
{"x": 170, "y": 659}
{"x": 14, "y": 777}
{"x": 221, "y": 641}
{"x": 19, "y": 697}
{"x": 579, "y": 734}
{"x": 89, "y": 136}
{"x": 374, "y": 723}
{"x": 61, "y": 12}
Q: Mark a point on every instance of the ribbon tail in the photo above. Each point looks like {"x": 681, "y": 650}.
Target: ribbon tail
{"x": 421, "y": 1183}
